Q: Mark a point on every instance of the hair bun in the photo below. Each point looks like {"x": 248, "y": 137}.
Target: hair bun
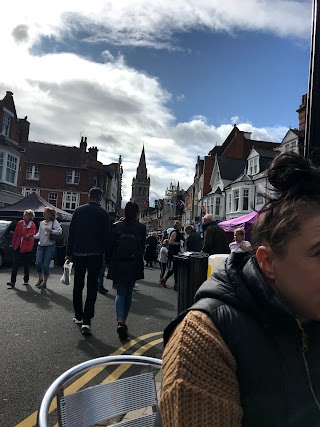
{"x": 288, "y": 170}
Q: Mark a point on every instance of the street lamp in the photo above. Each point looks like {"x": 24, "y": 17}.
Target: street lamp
{"x": 312, "y": 129}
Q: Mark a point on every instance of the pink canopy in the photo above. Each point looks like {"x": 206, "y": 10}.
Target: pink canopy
{"x": 243, "y": 221}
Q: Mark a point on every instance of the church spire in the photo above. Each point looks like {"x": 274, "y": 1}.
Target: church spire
{"x": 141, "y": 184}
{"x": 142, "y": 167}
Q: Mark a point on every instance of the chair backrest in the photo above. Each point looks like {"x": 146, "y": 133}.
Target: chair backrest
{"x": 92, "y": 405}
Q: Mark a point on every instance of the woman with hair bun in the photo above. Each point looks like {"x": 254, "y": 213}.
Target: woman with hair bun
{"x": 247, "y": 352}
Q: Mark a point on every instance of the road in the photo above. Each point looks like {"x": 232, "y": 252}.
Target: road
{"x": 40, "y": 341}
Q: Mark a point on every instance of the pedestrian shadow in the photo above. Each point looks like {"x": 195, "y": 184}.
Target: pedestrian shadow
{"x": 45, "y": 299}
{"x": 93, "y": 347}
{"x": 147, "y": 305}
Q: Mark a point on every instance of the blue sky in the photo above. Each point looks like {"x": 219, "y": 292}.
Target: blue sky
{"x": 172, "y": 76}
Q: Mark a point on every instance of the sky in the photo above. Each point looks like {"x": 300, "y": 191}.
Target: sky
{"x": 172, "y": 75}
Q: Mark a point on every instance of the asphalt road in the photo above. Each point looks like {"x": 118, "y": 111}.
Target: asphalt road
{"x": 40, "y": 341}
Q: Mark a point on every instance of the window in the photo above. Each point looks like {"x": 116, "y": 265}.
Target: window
{"x": 6, "y": 124}
{"x": 236, "y": 200}
{"x": 32, "y": 172}
{"x": 11, "y": 169}
{"x": 53, "y": 197}
{"x": 73, "y": 176}
{"x": 245, "y": 199}
{"x": 218, "y": 176}
{"x": 259, "y": 199}
{"x": 26, "y": 191}
{"x": 253, "y": 166}
{"x": 229, "y": 202}
{"x": 70, "y": 201}
{"x": 95, "y": 181}
{"x": 1, "y": 164}
{"x": 217, "y": 212}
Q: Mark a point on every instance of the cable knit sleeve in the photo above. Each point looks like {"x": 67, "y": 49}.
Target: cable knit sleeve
{"x": 200, "y": 386}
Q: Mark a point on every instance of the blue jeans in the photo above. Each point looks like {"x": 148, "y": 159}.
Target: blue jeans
{"x": 123, "y": 299}
{"x": 43, "y": 257}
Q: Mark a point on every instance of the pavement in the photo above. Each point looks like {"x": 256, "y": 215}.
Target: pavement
{"x": 38, "y": 336}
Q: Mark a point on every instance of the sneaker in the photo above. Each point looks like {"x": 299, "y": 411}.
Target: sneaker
{"x": 122, "y": 331}
{"x": 39, "y": 282}
{"x": 25, "y": 284}
{"x": 12, "y": 285}
{"x": 103, "y": 291}
{"x": 42, "y": 286}
{"x": 86, "y": 329}
{"x": 76, "y": 321}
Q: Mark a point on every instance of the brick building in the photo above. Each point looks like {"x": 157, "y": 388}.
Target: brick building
{"x": 63, "y": 175}
{"x": 14, "y": 133}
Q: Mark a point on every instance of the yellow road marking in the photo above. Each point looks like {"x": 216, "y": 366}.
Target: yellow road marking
{"x": 31, "y": 420}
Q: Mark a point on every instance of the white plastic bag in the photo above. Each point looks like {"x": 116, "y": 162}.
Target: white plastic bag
{"x": 67, "y": 269}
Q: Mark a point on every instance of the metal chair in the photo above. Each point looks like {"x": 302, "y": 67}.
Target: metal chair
{"x": 92, "y": 405}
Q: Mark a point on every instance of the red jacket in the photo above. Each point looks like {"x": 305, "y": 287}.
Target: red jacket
{"x": 20, "y": 237}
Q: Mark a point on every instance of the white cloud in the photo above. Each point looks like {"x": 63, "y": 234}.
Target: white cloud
{"x": 121, "y": 108}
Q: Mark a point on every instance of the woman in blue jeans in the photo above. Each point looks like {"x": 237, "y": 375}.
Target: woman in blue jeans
{"x": 129, "y": 239}
{"x": 46, "y": 247}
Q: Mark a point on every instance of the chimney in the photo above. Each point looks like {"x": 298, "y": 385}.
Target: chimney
{"x": 93, "y": 152}
{"x": 23, "y": 129}
{"x": 9, "y": 93}
{"x": 83, "y": 144}
{"x": 302, "y": 112}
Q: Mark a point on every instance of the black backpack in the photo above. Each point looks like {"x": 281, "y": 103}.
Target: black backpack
{"x": 126, "y": 248}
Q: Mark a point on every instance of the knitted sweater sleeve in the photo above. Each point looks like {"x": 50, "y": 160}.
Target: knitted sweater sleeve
{"x": 199, "y": 386}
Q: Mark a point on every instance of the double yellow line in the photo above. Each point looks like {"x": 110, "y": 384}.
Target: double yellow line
{"x": 88, "y": 376}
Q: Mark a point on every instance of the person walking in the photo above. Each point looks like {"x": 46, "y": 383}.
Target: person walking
{"x": 163, "y": 258}
{"x": 22, "y": 244}
{"x": 174, "y": 248}
{"x": 126, "y": 267}
{"x": 150, "y": 254}
{"x": 101, "y": 289}
{"x": 46, "y": 246}
{"x": 193, "y": 241}
{"x": 247, "y": 352}
{"x": 215, "y": 240}
{"x": 89, "y": 238}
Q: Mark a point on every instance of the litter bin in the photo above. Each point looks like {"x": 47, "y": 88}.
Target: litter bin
{"x": 192, "y": 272}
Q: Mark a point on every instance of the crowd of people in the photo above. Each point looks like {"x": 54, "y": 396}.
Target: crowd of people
{"x": 116, "y": 245}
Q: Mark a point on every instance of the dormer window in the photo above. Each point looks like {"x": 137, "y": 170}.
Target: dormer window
{"x": 73, "y": 176}
{"x": 253, "y": 166}
{"x": 6, "y": 124}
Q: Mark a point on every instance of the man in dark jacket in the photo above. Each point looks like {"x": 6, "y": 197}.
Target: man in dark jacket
{"x": 194, "y": 241}
{"x": 129, "y": 239}
{"x": 215, "y": 240}
{"x": 89, "y": 238}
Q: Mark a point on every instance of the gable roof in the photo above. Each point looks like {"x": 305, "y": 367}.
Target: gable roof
{"x": 56, "y": 155}
{"x": 230, "y": 169}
